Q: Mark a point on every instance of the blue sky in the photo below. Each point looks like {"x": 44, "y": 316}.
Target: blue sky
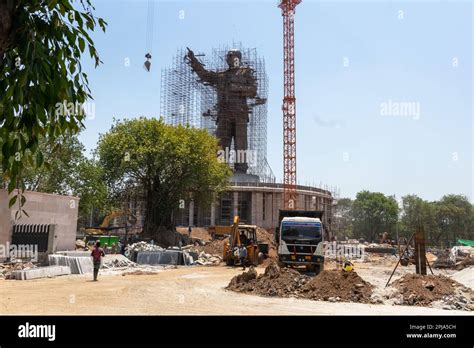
{"x": 352, "y": 58}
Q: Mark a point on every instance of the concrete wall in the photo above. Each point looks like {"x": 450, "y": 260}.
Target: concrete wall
{"x": 43, "y": 208}
{"x": 5, "y": 218}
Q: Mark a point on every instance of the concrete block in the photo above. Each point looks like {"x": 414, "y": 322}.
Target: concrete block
{"x": 77, "y": 265}
{"x": 160, "y": 257}
{"x": 41, "y": 272}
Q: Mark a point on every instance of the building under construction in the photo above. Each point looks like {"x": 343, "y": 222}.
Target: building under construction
{"x": 189, "y": 97}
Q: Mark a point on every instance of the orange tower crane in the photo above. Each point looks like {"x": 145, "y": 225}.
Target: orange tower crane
{"x": 289, "y": 103}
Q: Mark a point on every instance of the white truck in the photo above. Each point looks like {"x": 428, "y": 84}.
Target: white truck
{"x": 300, "y": 237}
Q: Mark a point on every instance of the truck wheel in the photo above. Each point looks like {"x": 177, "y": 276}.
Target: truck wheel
{"x": 318, "y": 268}
{"x": 311, "y": 268}
{"x": 261, "y": 257}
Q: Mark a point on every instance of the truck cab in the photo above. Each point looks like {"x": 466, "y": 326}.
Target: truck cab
{"x": 300, "y": 238}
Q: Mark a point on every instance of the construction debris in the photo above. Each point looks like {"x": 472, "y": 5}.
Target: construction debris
{"x": 116, "y": 261}
{"x": 142, "y": 246}
{"x": 207, "y": 259}
{"x": 6, "y": 269}
{"x": 80, "y": 244}
{"x": 424, "y": 290}
{"x": 458, "y": 257}
{"x": 331, "y": 285}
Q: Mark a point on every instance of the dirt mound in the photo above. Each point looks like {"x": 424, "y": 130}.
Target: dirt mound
{"x": 274, "y": 282}
{"x": 215, "y": 247}
{"x": 197, "y": 232}
{"x": 265, "y": 236}
{"x": 338, "y": 285}
{"x": 286, "y": 282}
{"x": 422, "y": 290}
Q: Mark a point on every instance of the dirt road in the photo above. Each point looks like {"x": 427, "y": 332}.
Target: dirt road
{"x": 181, "y": 291}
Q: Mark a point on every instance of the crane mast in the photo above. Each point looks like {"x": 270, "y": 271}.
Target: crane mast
{"x": 289, "y": 104}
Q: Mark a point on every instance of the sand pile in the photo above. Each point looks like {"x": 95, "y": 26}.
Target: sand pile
{"x": 418, "y": 290}
{"x": 284, "y": 282}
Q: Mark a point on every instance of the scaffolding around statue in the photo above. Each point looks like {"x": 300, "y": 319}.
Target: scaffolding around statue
{"x": 187, "y": 100}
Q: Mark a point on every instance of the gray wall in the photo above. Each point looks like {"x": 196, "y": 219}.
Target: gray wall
{"x": 43, "y": 208}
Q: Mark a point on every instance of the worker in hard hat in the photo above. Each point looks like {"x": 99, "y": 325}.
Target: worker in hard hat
{"x": 347, "y": 265}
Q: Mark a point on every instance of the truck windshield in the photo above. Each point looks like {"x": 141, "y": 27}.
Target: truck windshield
{"x": 301, "y": 230}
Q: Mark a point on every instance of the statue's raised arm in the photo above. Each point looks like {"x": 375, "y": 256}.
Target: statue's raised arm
{"x": 206, "y": 76}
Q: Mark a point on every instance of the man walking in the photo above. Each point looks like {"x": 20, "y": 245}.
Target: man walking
{"x": 97, "y": 254}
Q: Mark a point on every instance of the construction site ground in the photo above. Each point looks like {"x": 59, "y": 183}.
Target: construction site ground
{"x": 183, "y": 290}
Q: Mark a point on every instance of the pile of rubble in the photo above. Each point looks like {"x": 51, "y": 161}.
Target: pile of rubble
{"x": 116, "y": 261}
{"x": 333, "y": 285}
{"x": 435, "y": 290}
{"x": 142, "y": 246}
{"x": 458, "y": 257}
{"x": 6, "y": 269}
{"x": 207, "y": 259}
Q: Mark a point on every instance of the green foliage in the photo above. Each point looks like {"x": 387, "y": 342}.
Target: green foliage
{"x": 453, "y": 216}
{"x": 87, "y": 183}
{"x": 166, "y": 163}
{"x": 61, "y": 160}
{"x": 416, "y": 210}
{"x": 374, "y": 213}
{"x": 41, "y": 45}
{"x": 444, "y": 221}
{"x": 68, "y": 172}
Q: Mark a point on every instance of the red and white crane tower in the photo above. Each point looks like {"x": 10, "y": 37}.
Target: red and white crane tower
{"x": 289, "y": 103}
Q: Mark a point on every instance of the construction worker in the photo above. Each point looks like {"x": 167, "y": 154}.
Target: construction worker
{"x": 243, "y": 238}
{"x": 347, "y": 265}
{"x": 97, "y": 254}
{"x": 243, "y": 256}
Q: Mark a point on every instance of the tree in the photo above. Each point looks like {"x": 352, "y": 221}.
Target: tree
{"x": 415, "y": 211}
{"x": 168, "y": 163}
{"x": 87, "y": 182}
{"x": 44, "y": 87}
{"x": 374, "y": 213}
{"x": 343, "y": 218}
{"x": 70, "y": 173}
{"x": 63, "y": 155}
{"x": 453, "y": 214}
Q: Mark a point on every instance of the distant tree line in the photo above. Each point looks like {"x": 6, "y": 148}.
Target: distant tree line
{"x": 371, "y": 214}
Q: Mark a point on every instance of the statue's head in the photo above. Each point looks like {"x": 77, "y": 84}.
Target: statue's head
{"x": 233, "y": 58}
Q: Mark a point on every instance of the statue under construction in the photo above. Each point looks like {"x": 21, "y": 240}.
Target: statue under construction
{"x": 234, "y": 87}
